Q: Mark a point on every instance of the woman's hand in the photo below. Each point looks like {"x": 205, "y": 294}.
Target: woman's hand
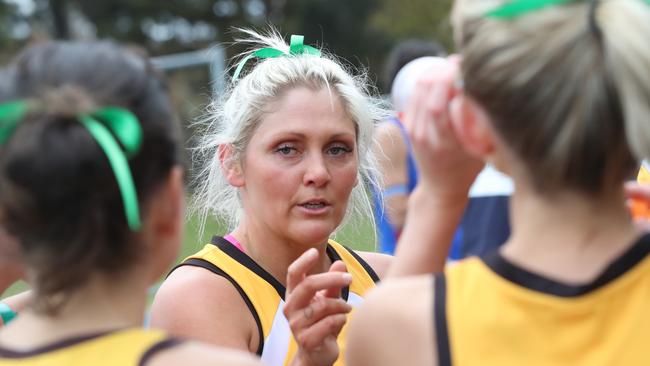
{"x": 445, "y": 174}
{"x": 444, "y": 168}
{"x": 315, "y": 310}
{"x": 638, "y": 202}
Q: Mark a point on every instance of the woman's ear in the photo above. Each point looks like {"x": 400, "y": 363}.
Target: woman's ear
{"x": 472, "y": 126}
{"x": 163, "y": 223}
{"x": 164, "y": 214}
{"x": 230, "y": 165}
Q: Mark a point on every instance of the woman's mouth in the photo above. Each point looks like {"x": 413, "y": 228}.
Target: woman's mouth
{"x": 315, "y": 207}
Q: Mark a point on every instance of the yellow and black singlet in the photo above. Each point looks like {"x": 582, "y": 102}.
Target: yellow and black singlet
{"x": 125, "y": 348}
{"x": 491, "y": 312}
{"x": 264, "y": 295}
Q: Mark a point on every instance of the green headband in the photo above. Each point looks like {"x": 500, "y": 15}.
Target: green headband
{"x": 124, "y": 126}
{"x": 517, "y": 8}
{"x": 297, "y": 47}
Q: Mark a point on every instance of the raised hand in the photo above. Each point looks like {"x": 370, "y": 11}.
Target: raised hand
{"x": 445, "y": 173}
{"x": 638, "y": 202}
{"x": 315, "y": 310}
{"x": 443, "y": 166}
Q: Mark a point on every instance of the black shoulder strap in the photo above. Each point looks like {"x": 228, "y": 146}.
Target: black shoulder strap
{"x": 371, "y": 272}
{"x": 197, "y": 262}
{"x": 440, "y": 319}
{"x": 166, "y": 343}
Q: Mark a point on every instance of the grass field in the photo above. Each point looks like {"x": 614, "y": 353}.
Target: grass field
{"x": 358, "y": 234}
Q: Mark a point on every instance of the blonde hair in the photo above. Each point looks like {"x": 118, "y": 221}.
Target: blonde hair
{"x": 233, "y": 119}
{"x": 565, "y": 94}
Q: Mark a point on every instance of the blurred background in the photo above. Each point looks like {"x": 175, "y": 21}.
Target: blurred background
{"x": 192, "y": 41}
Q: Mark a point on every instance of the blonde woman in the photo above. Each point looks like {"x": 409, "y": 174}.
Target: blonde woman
{"x": 287, "y": 158}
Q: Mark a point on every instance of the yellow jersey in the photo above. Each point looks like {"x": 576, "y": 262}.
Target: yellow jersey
{"x": 264, "y": 294}
{"x": 125, "y": 347}
{"x": 491, "y": 312}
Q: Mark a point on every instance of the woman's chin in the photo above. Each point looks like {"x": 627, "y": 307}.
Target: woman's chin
{"x": 312, "y": 235}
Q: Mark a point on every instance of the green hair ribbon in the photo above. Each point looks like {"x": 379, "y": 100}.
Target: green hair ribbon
{"x": 10, "y": 114}
{"x": 296, "y": 47}
{"x": 125, "y": 128}
{"x": 517, "y": 8}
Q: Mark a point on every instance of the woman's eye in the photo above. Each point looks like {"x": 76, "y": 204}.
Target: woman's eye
{"x": 338, "y": 150}
{"x": 286, "y": 150}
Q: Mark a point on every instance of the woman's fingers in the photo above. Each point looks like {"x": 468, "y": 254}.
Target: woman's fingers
{"x": 314, "y": 308}
{"x": 314, "y": 337}
{"x": 302, "y": 295}
{"x": 317, "y": 311}
{"x": 337, "y": 266}
{"x": 638, "y": 191}
{"x": 418, "y": 116}
{"x": 427, "y": 120}
{"x": 299, "y": 268}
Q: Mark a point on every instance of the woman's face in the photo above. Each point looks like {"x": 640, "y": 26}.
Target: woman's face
{"x": 300, "y": 167}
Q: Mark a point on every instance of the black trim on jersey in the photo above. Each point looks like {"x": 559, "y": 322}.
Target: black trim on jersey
{"x": 440, "y": 319}
{"x": 157, "y": 347}
{"x": 248, "y": 262}
{"x": 55, "y": 346}
{"x": 197, "y": 262}
{"x": 371, "y": 272}
{"x": 241, "y": 257}
{"x": 511, "y": 272}
{"x": 334, "y": 256}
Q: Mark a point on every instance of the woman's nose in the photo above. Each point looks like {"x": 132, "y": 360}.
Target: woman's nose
{"x": 316, "y": 171}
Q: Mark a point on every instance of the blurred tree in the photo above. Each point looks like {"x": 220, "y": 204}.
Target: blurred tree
{"x": 408, "y": 19}
{"x": 60, "y": 18}
{"x": 342, "y": 25}
{"x": 6, "y": 12}
{"x": 174, "y": 25}
{"x": 360, "y": 31}
{"x": 415, "y": 19}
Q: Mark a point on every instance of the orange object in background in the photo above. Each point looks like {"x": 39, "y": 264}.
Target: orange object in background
{"x": 641, "y": 209}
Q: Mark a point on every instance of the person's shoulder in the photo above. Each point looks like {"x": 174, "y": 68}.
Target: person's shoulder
{"x": 189, "y": 282}
{"x": 390, "y": 127}
{"x": 388, "y": 299}
{"x": 390, "y": 137}
{"x": 191, "y": 287}
{"x": 198, "y": 304}
{"x": 196, "y": 353}
{"x": 397, "y": 306}
{"x": 379, "y": 262}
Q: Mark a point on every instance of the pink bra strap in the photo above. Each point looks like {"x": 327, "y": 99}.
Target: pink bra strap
{"x": 234, "y": 242}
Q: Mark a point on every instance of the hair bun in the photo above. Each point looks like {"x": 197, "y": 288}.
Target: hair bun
{"x": 67, "y": 101}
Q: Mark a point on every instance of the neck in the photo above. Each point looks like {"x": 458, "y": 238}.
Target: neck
{"x": 568, "y": 237}
{"x": 8, "y": 275}
{"x": 275, "y": 253}
{"x": 104, "y": 303}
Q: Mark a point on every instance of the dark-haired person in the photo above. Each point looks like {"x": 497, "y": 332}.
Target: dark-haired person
{"x": 11, "y": 269}
{"x": 91, "y": 189}
{"x": 556, "y": 93}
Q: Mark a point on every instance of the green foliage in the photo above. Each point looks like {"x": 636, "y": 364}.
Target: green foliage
{"x": 7, "y": 15}
{"x": 415, "y": 18}
{"x": 360, "y": 31}
{"x": 342, "y": 25}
